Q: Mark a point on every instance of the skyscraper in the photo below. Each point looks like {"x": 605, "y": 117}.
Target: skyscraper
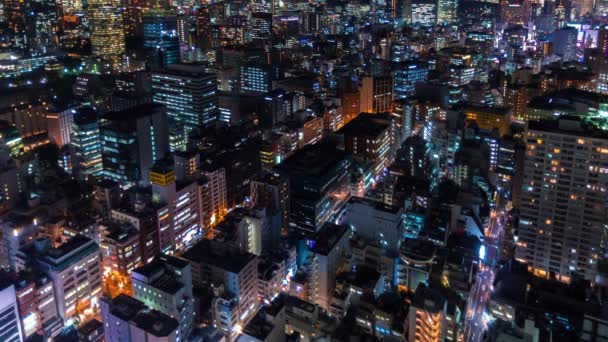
{"x": 189, "y": 94}
{"x": 563, "y": 211}
{"x": 132, "y": 141}
{"x": 407, "y": 74}
{"x": 376, "y": 94}
{"x": 564, "y": 43}
{"x": 86, "y": 142}
{"x": 161, "y": 40}
{"x": 107, "y": 34}
{"x": 447, "y": 11}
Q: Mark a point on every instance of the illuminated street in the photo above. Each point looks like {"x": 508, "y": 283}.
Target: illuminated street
{"x": 476, "y": 324}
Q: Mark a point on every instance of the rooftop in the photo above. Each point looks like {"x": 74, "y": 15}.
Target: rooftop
{"x": 155, "y": 322}
{"x": 213, "y": 253}
{"x": 132, "y": 310}
{"x": 327, "y": 237}
{"x": 133, "y": 113}
{"x": 380, "y": 206}
{"x": 313, "y": 160}
{"x": 160, "y": 273}
{"x": 568, "y": 125}
{"x": 258, "y": 327}
{"x": 428, "y": 299}
{"x": 365, "y": 124}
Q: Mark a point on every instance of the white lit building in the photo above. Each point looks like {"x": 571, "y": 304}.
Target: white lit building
{"x": 74, "y": 269}
{"x": 563, "y": 207}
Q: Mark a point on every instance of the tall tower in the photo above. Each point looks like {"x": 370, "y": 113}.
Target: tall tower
{"x": 107, "y": 34}
{"x": 563, "y": 207}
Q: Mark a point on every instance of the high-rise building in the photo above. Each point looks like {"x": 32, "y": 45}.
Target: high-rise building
{"x": 447, "y": 11}
{"x": 121, "y": 251}
{"x": 330, "y": 246}
{"x": 213, "y": 197}
{"x": 407, "y": 74}
{"x": 563, "y": 213}
{"x": 376, "y": 94}
{"x": 424, "y": 12}
{"x": 564, "y": 43}
{"x": 189, "y": 94}
{"x": 161, "y": 41}
{"x": 132, "y": 140}
{"x": 376, "y": 221}
{"x": 165, "y": 284}
{"x": 256, "y": 79}
{"x": 180, "y": 204}
{"x": 234, "y": 271}
{"x": 271, "y": 191}
{"x": 127, "y": 319}
{"x": 490, "y": 118}
{"x": 261, "y": 25}
{"x": 74, "y": 268}
{"x": 10, "y": 330}
{"x": 368, "y": 140}
{"x": 318, "y": 184}
{"x": 107, "y": 34}
{"x": 59, "y": 125}
{"x": 40, "y": 23}
{"x": 37, "y": 308}
{"x": 86, "y": 142}
{"x": 427, "y": 315}
{"x": 144, "y": 216}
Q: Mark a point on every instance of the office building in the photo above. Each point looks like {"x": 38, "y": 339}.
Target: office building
{"x": 75, "y": 270}
{"x": 85, "y": 139}
{"x": 128, "y": 319}
{"x": 490, "y": 118}
{"x": 376, "y": 221}
{"x": 271, "y": 191}
{"x": 213, "y": 197}
{"x": 180, "y": 205}
{"x": 261, "y": 26}
{"x": 132, "y": 141}
{"x": 447, "y": 12}
{"x": 564, "y": 43}
{"x": 11, "y": 330}
{"x": 165, "y": 284}
{"x": 186, "y": 164}
{"x": 120, "y": 247}
{"x": 189, "y": 94}
{"x": 37, "y": 307}
{"x": 235, "y": 272}
{"x": 406, "y": 75}
{"x": 11, "y": 187}
{"x": 330, "y": 245}
{"x": 562, "y": 214}
{"x": 424, "y": 12}
{"x": 318, "y": 184}
{"x": 59, "y": 125}
{"x": 107, "y": 34}
{"x": 256, "y": 79}
{"x": 376, "y": 94}
{"x": 146, "y": 217}
{"x": 161, "y": 40}
{"x": 368, "y": 140}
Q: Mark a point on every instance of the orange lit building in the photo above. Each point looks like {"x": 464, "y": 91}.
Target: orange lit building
{"x": 489, "y": 118}
{"x": 351, "y": 106}
{"x": 376, "y": 94}
{"x": 212, "y": 196}
{"x": 426, "y": 318}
